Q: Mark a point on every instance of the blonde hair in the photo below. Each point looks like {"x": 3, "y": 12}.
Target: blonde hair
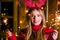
{"x": 29, "y": 22}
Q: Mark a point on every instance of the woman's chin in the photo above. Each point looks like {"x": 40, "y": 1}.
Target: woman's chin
{"x": 36, "y": 23}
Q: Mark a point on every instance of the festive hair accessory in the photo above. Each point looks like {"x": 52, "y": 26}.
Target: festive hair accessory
{"x": 32, "y": 4}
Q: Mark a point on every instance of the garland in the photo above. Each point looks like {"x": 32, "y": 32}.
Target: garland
{"x": 32, "y": 4}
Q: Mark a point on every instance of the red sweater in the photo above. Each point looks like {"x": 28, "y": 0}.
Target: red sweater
{"x": 35, "y": 28}
{"x": 47, "y": 33}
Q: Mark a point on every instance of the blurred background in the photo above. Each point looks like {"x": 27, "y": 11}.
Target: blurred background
{"x": 13, "y": 13}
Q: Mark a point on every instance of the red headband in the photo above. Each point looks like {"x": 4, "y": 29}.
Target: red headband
{"x": 32, "y": 4}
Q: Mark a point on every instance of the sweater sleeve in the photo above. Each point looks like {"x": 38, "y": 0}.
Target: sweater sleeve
{"x": 22, "y": 34}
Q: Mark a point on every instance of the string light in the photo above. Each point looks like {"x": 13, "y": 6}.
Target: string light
{"x": 58, "y": 24}
{"x": 42, "y": 8}
{"x": 56, "y": 12}
{"x": 58, "y": 17}
{"x": 21, "y": 22}
{"x": 26, "y": 11}
{"x": 58, "y": 2}
{"x": 5, "y": 20}
{"x": 57, "y": 27}
{"x": 52, "y": 19}
{"x": 2, "y": 14}
{"x": 44, "y": 26}
{"x": 29, "y": 14}
{"x": 19, "y": 27}
{"x": 46, "y": 21}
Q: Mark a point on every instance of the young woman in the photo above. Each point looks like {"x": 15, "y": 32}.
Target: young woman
{"x": 36, "y": 29}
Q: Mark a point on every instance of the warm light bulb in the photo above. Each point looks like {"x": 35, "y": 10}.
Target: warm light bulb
{"x": 29, "y": 14}
{"x": 26, "y": 11}
{"x": 16, "y": 35}
{"x": 58, "y": 17}
{"x": 2, "y": 14}
{"x": 42, "y": 8}
{"x": 21, "y": 22}
{"x": 52, "y": 19}
{"x": 58, "y": 3}
{"x": 44, "y": 26}
{"x": 56, "y": 12}
{"x": 46, "y": 21}
{"x": 5, "y": 20}
{"x": 19, "y": 27}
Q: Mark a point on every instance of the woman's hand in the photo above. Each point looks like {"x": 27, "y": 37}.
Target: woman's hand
{"x": 55, "y": 34}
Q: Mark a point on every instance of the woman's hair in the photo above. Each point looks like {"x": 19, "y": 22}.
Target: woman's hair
{"x": 28, "y": 14}
{"x": 29, "y": 22}
{"x": 39, "y": 10}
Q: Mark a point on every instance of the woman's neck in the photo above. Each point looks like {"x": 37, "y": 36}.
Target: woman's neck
{"x": 35, "y": 28}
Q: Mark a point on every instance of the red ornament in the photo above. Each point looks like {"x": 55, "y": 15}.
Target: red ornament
{"x": 48, "y": 30}
{"x": 32, "y": 4}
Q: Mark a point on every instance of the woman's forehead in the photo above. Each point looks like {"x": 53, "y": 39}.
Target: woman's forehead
{"x": 35, "y": 12}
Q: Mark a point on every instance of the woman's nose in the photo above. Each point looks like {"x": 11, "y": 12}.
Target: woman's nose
{"x": 35, "y": 18}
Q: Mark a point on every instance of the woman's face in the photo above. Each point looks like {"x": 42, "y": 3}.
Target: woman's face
{"x": 35, "y": 17}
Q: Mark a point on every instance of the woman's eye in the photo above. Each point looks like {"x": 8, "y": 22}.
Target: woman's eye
{"x": 38, "y": 15}
{"x": 32, "y": 15}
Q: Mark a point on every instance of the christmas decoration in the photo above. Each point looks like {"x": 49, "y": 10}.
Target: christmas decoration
{"x": 33, "y": 4}
{"x": 48, "y": 30}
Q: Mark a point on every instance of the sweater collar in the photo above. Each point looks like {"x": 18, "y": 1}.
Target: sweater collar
{"x": 35, "y": 28}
